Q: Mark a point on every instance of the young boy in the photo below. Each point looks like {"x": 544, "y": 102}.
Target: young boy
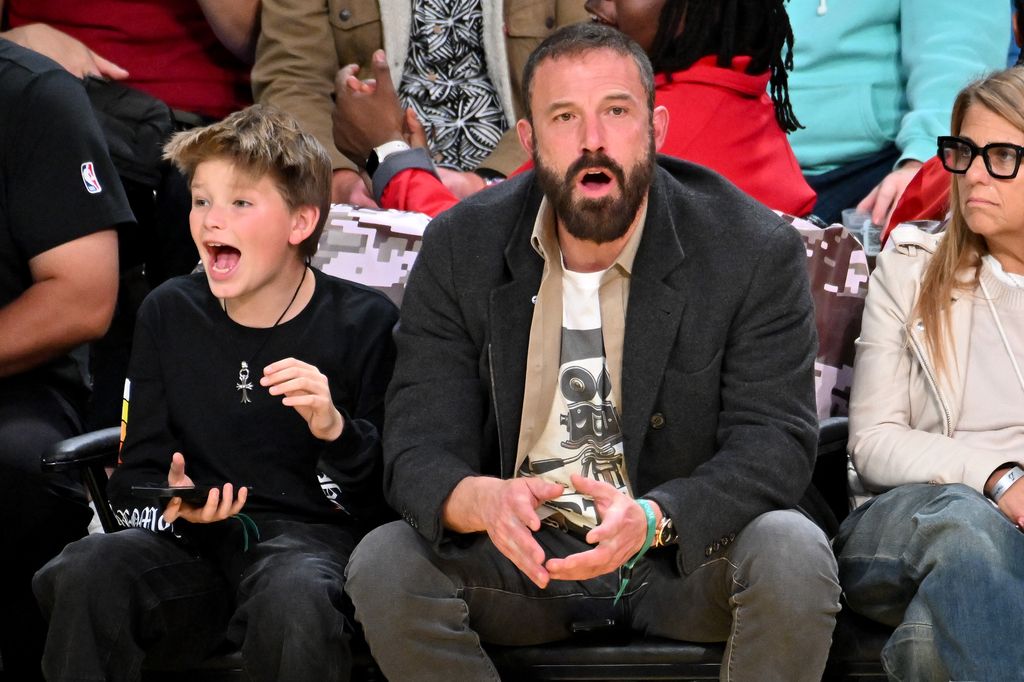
{"x": 248, "y": 378}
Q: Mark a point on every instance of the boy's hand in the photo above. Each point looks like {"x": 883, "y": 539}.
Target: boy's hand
{"x": 220, "y": 504}
{"x": 307, "y": 390}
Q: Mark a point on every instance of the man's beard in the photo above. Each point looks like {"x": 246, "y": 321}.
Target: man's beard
{"x": 597, "y": 220}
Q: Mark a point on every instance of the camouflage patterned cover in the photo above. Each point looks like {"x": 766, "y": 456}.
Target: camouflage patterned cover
{"x": 377, "y": 248}
{"x": 838, "y": 270}
{"x": 374, "y": 247}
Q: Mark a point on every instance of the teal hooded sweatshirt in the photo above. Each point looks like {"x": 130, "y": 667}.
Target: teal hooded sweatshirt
{"x": 869, "y": 73}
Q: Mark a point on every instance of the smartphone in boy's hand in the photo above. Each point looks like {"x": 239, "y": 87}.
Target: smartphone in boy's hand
{"x": 193, "y": 494}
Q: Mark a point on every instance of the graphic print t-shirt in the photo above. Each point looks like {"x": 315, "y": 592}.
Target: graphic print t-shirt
{"x": 582, "y": 434}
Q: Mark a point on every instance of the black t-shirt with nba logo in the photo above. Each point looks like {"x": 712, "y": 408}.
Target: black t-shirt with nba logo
{"x": 57, "y": 183}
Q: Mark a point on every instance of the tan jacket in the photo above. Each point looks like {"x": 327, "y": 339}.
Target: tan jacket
{"x": 902, "y": 415}
{"x": 303, "y": 43}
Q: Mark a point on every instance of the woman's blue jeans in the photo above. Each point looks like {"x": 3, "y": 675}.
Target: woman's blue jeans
{"x": 944, "y": 567}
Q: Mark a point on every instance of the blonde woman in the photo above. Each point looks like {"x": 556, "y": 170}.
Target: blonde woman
{"x": 937, "y": 416}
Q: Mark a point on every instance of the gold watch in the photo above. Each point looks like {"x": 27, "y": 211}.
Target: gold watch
{"x": 665, "y": 533}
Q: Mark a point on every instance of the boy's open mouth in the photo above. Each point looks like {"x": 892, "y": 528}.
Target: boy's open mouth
{"x": 223, "y": 258}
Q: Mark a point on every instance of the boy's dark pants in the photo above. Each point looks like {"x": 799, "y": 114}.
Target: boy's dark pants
{"x": 115, "y": 599}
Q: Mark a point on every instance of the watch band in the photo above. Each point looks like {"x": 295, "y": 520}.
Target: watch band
{"x": 665, "y": 534}
{"x": 1005, "y": 481}
{"x": 381, "y": 152}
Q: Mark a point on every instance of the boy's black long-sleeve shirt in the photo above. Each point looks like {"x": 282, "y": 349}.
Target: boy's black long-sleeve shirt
{"x": 182, "y": 396}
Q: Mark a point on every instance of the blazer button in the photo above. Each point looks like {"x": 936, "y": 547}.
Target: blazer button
{"x": 657, "y": 420}
{"x": 707, "y": 551}
{"x": 345, "y": 14}
{"x": 717, "y": 545}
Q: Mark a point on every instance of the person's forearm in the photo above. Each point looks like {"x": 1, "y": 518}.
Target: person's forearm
{"x": 45, "y": 322}
{"x": 235, "y": 23}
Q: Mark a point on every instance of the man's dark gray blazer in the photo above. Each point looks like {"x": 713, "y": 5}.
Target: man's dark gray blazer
{"x": 718, "y": 418}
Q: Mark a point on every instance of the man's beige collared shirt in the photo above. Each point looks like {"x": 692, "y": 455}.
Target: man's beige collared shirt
{"x": 544, "y": 356}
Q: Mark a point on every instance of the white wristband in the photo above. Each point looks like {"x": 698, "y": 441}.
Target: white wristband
{"x": 1005, "y": 481}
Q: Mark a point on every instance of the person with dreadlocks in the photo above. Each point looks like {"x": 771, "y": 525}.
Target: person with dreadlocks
{"x": 713, "y": 61}
{"x": 712, "y": 72}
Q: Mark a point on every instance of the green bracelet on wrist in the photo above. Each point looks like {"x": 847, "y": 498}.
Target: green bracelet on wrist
{"x": 627, "y": 568}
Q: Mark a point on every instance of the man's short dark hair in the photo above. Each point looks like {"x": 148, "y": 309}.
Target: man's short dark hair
{"x": 577, "y": 39}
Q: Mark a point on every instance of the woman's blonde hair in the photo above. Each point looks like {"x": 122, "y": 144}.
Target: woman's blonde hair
{"x": 960, "y": 251}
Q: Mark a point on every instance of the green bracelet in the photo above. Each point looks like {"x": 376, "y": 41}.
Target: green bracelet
{"x": 248, "y": 525}
{"x": 627, "y": 568}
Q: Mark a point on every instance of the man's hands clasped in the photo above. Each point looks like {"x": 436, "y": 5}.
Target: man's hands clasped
{"x": 618, "y": 537}
{"x": 507, "y": 511}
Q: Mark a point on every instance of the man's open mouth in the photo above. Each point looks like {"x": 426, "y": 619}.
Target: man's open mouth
{"x": 595, "y": 179}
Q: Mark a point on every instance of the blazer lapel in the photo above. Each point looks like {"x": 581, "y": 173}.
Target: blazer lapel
{"x": 511, "y": 316}
{"x": 652, "y": 321}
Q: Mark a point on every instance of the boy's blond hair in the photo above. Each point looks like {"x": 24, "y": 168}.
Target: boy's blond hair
{"x": 263, "y": 141}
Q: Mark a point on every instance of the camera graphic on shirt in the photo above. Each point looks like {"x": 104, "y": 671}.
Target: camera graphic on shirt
{"x": 587, "y": 422}
{"x": 593, "y": 429}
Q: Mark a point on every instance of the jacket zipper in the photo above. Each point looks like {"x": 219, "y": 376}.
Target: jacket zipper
{"x": 919, "y": 351}
{"x": 494, "y": 401}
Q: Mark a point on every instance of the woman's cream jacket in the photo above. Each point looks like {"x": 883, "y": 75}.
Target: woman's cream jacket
{"x": 902, "y": 412}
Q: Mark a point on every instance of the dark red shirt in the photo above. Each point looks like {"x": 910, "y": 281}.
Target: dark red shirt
{"x": 167, "y": 46}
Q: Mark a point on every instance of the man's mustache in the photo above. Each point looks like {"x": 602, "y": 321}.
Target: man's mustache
{"x": 596, "y": 160}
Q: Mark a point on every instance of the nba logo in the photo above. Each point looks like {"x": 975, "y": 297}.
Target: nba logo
{"x": 92, "y": 183}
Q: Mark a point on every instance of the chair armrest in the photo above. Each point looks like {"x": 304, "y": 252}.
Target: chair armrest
{"x": 89, "y": 449}
{"x": 833, "y": 433}
{"x": 830, "y": 466}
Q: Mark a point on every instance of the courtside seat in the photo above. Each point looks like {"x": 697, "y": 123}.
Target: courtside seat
{"x": 609, "y": 655}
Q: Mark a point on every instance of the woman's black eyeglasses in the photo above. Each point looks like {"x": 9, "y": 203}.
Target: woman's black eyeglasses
{"x": 1002, "y": 159}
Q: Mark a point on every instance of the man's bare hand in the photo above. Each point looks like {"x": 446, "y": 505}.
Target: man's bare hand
{"x": 366, "y": 113}
{"x": 507, "y": 511}
{"x": 69, "y": 52}
{"x": 220, "y": 503}
{"x": 619, "y": 536}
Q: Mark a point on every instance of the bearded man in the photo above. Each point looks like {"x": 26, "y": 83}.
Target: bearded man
{"x": 603, "y": 403}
